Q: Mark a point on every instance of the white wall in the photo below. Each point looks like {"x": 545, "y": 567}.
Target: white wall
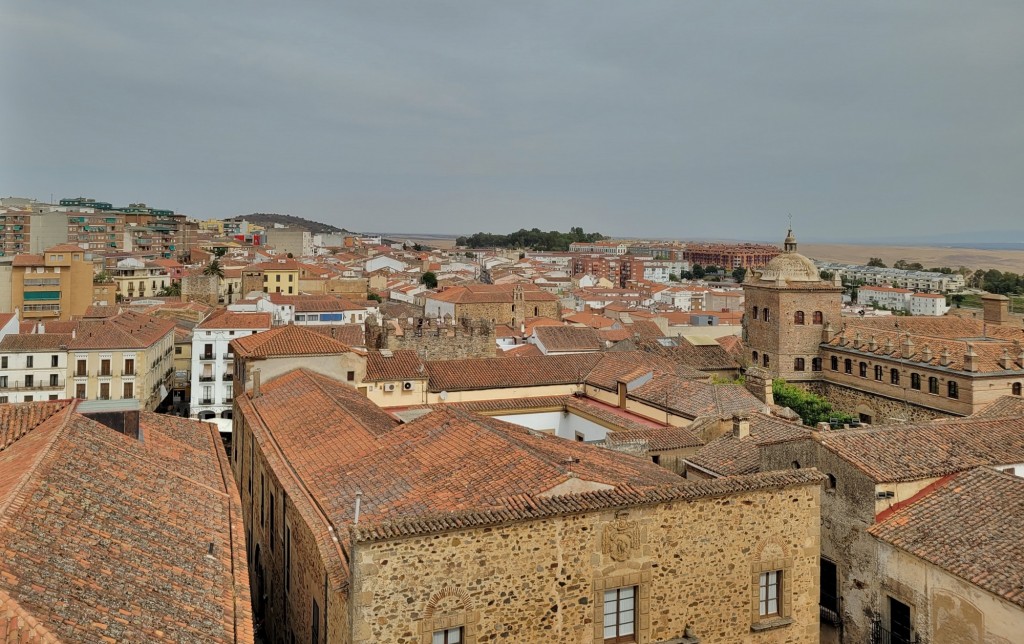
{"x": 564, "y": 425}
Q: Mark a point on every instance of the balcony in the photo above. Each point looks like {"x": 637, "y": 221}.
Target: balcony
{"x": 206, "y": 401}
{"x": 206, "y": 378}
{"x": 206, "y": 356}
{"x": 228, "y": 356}
{"x": 128, "y": 372}
{"x": 19, "y": 385}
{"x": 228, "y": 401}
{"x": 228, "y": 376}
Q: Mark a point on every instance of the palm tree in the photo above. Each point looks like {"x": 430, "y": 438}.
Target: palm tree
{"x": 214, "y": 269}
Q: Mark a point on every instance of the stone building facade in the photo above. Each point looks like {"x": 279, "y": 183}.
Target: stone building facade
{"x": 546, "y": 579}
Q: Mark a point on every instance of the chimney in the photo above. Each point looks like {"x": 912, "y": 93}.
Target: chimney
{"x": 872, "y": 344}
{"x": 827, "y": 332}
{"x": 970, "y": 359}
{"x": 1005, "y": 361}
{"x": 740, "y": 426}
{"x": 996, "y": 308}
{"x": 926, "y": 353}
{"x": 255, "y": 383}
{"x": 888, "y": 346}
{"x": 42, "y": 327}
{"x": 857, "y": 341}
{"x": 908, "y": 346}
{"x": 944, "y": 357}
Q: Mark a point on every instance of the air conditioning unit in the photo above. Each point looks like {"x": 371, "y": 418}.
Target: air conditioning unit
{"x": 389, "y": 386}
{"x": 407, "y": 386}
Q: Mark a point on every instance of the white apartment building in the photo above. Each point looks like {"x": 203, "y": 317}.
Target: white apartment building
{"x": 33, "y": 366}
{"x": 896, "y": 299}
{"x": 136, "y": 278}
{"x": 213, "y": 364}
{"x": 659, "y": 270}
{"x": 914, "y": 280}
{"x": 928, "y": 304}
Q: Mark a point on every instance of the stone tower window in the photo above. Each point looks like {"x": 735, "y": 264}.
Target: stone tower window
{"x": 848, "y": 366}
{"x": 894, "y": 376}
{"x": 755, "y": 312}
{"x": 766, "y": 315}
{"x": 863, "y": 369}
{"x": 815, "y": 364}
{"x": 764, "y": 359}
{"x": 798, "y": 317}
{"x": 1015, "y": 389}
{"x": 878, "y": 372}
{"x": 915, "y": 381}
{"x": 835, "y": 363}
{"x": 933, "y": 385}
{"x": 952, "y": 389}
{"x": 818, "y": 318}
{"x": 756, "y": 356}
{"x": 798, "y": 364}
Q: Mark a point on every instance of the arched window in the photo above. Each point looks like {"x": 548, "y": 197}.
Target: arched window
{"x": 815, "y": 364}
{"x": 1015, "y": 389}
{"x": 831, "y": 485}
{"x": 933, "y": 385}
{"x": 894, "y": 376}
{"x": 818, "y": 318}
{"x": 798, "y": 317}
{"x": 863, "y": 369}
{"x": 915, "y": 381}
{"x": 952, "y": 389}
{"x": 798, "y": 364}
{"x": 878, "y": 372}
{"x": 756, "y": 356}
{"x": 835, "y": 363}
{"x": 765, "y": 315}
{"x": 764, "y": 359}
{"x": 848, "y": 366}
{"x": 536, "y": 311}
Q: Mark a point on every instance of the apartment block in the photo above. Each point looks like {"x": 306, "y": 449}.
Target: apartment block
{"x": 56, "y": 284}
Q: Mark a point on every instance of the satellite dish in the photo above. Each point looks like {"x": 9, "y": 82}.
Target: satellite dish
{"x": 443, "y": 396}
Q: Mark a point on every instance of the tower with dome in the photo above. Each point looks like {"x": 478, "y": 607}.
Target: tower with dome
{"x": 786, "y": 308}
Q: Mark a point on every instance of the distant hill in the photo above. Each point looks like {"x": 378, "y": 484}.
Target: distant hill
{"x": 268, "y": 219}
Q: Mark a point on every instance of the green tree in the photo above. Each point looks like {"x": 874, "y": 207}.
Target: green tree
{"x": 171, "y": 290}
{"x": 877, "y": 262}
{"x": 374, "y": 297}
{"x": 698, "y": 271}
{"x": 429, "y": 279}
{"x": 672, "y": 277}
{"x": 417, "y": 247}
{"x": 214, "y": 269}
{"x": 220, "y": 251}
{"x": 811, "y": 408}
{"x": 470, "y": 254}
{"x": 828, "y": 276}
{"x": 739, "y": 274}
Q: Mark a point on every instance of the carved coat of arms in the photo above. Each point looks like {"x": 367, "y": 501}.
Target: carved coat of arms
{"x": 621, "y": 538}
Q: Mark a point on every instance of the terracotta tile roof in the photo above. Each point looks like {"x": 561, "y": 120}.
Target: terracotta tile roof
{"x": 94, "y": 311}
{"x": 350, "y": 334}
{"x": 490, "y": 373}
{"x": 615, "y": 335}
{"x": 954, "y": 334}
{"x": 733, "y": 344}
{"x": 592, "y": 320}
{"x": 972, "y": 526}
{"x": 140, "y": 512}
{"x": 54, "y": 326}
{"x": 65, "y": 248}
{"x": 703, "y": 357}
{"x": 693, "y": 398}
{"x": 35, "y": 342}
{"x": 18, "y": 419}
{"x": 1003, "y": 406}
{"x": 629, "y": 365}
{"x": 288, "y": 340}
{"x": 568, "y": 338}
{"x": 527, "y": 507}
{"x": 28, "y": 260}
{"x": 646, "y": 330}
{"x": 225, "y": 319}
{"x": 929, "y": 450}
{"x": 402, "y": 364}
{"x": 656, "y": 439}
{"x": 129, "y": 330}
{"x": 522, "y": 351}
{"x": 730, "y": 455}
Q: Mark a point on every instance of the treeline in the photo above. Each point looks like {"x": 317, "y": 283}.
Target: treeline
{"x": 995, "y": 281}
{"x": 534, "y": 239}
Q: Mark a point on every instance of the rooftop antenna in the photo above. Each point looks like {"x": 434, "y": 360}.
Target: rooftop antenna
{"x": 569, "y": 462}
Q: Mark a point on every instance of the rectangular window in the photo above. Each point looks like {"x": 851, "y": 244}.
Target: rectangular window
{"x": 30, "y": 381}
{"x": 54, "y": 361}
{"x": 768, "y": 595}
{"x": 104, "y": 391}
{"x": 80, "y": 391}
{"x": 350, "y": 376}
{"x": 54, "y": 380}
{"x": 620, "y": 615}
{"x": 80, "y": 369}
{"x": 129, "y": 367}
{"x": 105, "y": 367}
{"x": 177, "y": 351}
{"x": 3, "y": 362}
{"x": 447, "y": 636}
{"x": 3, "y": 382}
{"x": 28, "y": 362}
{"x": 129, "y": 390}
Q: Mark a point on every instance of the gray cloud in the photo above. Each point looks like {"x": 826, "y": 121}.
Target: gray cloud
{"x": 688, "y": 119}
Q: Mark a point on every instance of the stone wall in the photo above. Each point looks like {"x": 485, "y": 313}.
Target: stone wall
{"x": 503, "y": 313}
{"x": 200, "y": 288}
{"x": 692, "y": 563}
{"x": 446, "y": 340}
{"x": 880, "y": 409}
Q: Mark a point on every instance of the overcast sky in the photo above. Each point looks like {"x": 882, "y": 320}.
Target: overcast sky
{"x": 681, "y": 119}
